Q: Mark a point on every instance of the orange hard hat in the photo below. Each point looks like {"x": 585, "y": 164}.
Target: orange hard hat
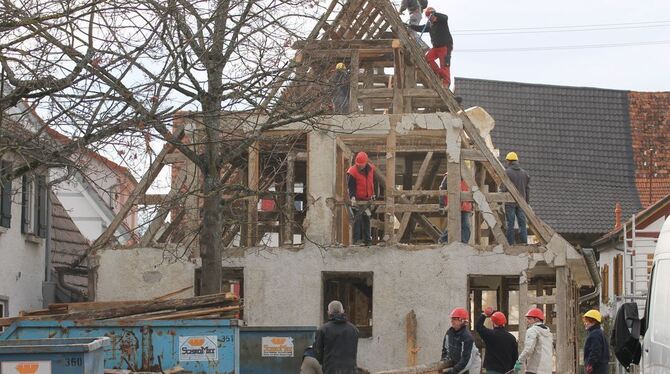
{"x": 498, "y": 319}
{"x": 361, "y": 159}
{"x": 536, "y": 313}
{"x": 460, "y": 313}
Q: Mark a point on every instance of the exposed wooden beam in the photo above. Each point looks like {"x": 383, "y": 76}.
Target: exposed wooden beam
{"x": 389, "y": 218}
{"x": 165, "y": 206}
{"x": 416, "y": 188}
{"x": 253, "y": 167}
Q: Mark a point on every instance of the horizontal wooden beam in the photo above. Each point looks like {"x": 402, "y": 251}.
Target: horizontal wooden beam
{"x": 383, "y": 93}
{"x": 472, "y": 155}
{"x": 343, "y": 44}
{"x": 498, "y": 197}
{"x": 549, "y": 299}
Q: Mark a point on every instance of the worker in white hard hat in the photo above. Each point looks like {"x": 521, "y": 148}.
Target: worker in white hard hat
{"x": 596, "y": 348}
{"x": 513, "y": 212}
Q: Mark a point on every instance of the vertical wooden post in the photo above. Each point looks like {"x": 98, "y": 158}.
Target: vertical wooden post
{"x": 409, "y": 82}
{"x": 410, "y": 329}
{"x": 290, "y": 198}
{"x": 389, "y": 218}
{"x": 562, "y": 325}
{"x": 454, "y": 184}
{"x": 398, "y": 77}
{"x": 368, "y": 82}
{"x": 252, "y": 207}
{"x": 523, "y": 305}
{"x": 353, "y": 81}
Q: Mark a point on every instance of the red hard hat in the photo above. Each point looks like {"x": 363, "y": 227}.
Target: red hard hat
{"x": 460, "y": 313}
{"x": 536, "y": 312}
{"x": 361, "y": 159}
{"x": 498, "y": 319}
{"x": 429, "y": 11}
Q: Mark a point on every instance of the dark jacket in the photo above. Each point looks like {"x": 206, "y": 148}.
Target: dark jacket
{"x": 596, "y": 351}
{"x": 625, "y": 340}
{"x": 520, "y": 178}
{"x": 336, "y": 346}
{"x": 440, "y": 36}
{"x": 411, "y": 5}
{"x": 501, "y": 347}
{"x": 457, "y": 347}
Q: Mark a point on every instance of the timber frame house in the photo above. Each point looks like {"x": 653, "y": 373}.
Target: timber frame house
{"x": 404, "y": 119}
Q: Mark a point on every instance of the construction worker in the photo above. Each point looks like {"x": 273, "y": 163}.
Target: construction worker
{"x": 536, "y": 355}
{"x": 458, "y": 348}
{"x": 596, "y": 348}
{"x": 361, "y": 186}
{"x": 341, "y": 88}
{"x": 443, "y": 43}
{"x": 414, "y": 9}
{"x": 466, "y": 212}
{"x": 521, "y": 181}
{"x": 337, "y": 342}
{"x": 501, "y": 346}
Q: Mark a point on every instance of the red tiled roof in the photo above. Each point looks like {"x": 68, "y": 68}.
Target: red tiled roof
{"x": 650, "y": 128}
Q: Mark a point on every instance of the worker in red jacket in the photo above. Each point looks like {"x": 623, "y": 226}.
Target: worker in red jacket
{"x": 466, "y": 212}
{"x": 361, "y": 185}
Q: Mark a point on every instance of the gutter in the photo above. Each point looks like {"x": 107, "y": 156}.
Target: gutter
{"x": 592, "y": 265}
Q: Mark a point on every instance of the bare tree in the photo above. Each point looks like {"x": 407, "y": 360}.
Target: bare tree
{"x": 117, "y": 73}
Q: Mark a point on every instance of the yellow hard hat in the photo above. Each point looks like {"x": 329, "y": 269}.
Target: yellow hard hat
{"x": 340, "y": 66}
{"x": 512, "y": 156}
{"x": 594, "y": 314}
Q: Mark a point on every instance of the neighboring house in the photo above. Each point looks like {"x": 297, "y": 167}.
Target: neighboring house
{"x": 24, "y": 215}
{"x": 95, "y": 193}
{"x": 625, "y": 265}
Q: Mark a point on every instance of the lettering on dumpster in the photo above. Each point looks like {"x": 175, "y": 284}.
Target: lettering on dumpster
{"x": 25, "y": 367}
{"x": 277, "y": 346}
{"x": 198, "y": 348}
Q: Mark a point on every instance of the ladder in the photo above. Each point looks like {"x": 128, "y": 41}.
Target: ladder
{"x": 636, "y": 264}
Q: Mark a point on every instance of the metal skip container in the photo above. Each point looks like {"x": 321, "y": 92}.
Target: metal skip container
{"x": 197, "y": 346}
{"x": 53, "y": 356}
{"x": 273, "y": 350}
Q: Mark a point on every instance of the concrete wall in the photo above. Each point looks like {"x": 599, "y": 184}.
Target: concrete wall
{"x": 22, "y": 262}
{"x": 142, "y": 273}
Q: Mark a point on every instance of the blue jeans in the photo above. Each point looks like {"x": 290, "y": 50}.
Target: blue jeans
{"x": 465, "y": 229}
{"x": 514, "y": 211}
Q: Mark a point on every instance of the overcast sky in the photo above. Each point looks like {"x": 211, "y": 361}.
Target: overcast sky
{"x": 561, "y": 42}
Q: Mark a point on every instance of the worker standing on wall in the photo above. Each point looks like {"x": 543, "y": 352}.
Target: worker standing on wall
{"x": 537, "y": 353}
{"x": 361, "y": 186}
{"x": 466, "y": 212}
{"x": 458, "y": 347}
{"x": 521, "y": 181}
{"x": 442, "y": 41}
{"x": 341, "y": 89}
{"x": 596, "y": 349}
{"x": 501, "y": 346}
{"x": 337, "y": 342}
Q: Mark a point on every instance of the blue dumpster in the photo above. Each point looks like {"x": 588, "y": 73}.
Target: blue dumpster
{"x": 273, "y": 350}
{"x": 53, "y": 356}
{"x": 198, "y": 346}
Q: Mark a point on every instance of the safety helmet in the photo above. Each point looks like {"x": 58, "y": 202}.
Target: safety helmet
{"x": 429, "y": 11}
{"x": 512, "y": 156}
{"x": 361, "y": 159}
{"x": 459, "y": 313}
{"x": 594, "y": 314}
{"x": 340, "y": 66}
{"x": 498, "y": 319}
{"x": 536, "y": 313}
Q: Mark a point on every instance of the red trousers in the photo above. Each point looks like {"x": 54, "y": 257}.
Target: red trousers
{"x": 443, "y": 71}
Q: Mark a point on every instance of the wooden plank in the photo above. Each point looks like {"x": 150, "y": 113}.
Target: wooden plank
{"x": 165, "y": 206}
{"x": 454, "y": 186}
{"x": 389, "y": 217}
{"x": 367, "y": 84}
{"x": 523, "y": 306}
{"x": 353, "y": 82}
{"x": 542, "y": 299}
{"x": 253, "y": 165}
{"x": 410, "y": 332}
{"x": 176, "y": 221}
{"x": 472, "y": 154}
{"x": 139, "y": 190}
{"x": 484, "y": 207}
{"x": 416, "y": 188}
{"x": 398, "y": 84}
{"x": 322, "y": 21}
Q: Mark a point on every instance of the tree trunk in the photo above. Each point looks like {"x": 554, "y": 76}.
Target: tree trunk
{"x": 211, "y": 233}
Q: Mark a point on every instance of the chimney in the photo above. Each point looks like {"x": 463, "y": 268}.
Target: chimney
{"x": 617, "y": 216}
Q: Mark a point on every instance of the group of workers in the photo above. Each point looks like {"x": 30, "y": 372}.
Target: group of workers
{"x": 361, "y": 186}
{"x": 336, "y": 345}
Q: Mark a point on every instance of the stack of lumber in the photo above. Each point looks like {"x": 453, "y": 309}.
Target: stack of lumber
{"x": 223, "y": 305}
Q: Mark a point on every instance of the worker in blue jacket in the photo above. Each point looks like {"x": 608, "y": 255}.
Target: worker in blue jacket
{"x": 596, "y": 350}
